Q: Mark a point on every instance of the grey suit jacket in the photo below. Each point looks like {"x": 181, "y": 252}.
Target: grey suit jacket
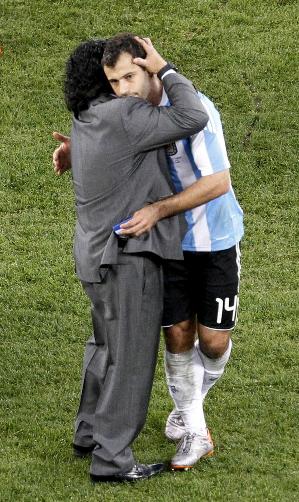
{"x": 118, "y": 167}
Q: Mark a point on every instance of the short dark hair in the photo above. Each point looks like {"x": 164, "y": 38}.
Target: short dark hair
{"x": 85, "y": 79}
{"x": 123, "y": 42}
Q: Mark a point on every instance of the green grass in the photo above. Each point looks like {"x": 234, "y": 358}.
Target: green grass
{"x": 242, "y": 54}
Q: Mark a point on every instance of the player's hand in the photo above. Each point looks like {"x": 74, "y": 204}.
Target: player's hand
{"x": 153, "y": 61}
{"x": 62, "y": 154}
{"x": 141, "y": 222}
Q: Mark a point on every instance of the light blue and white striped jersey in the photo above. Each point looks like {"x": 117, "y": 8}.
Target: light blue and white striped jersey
{"x": 218, "y": 224}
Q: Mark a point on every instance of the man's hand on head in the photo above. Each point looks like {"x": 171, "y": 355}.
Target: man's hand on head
{"x": 62, "y": 154}
{"x": 142, "y": 221}
{"x": 153, "y": 62}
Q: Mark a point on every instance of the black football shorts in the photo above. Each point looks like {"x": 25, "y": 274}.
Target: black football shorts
{"x": 205, "y": 285}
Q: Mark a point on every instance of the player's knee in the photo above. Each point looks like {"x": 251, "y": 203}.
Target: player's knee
{"x": 214, "y": 347}
{"x": 180, "y": 337}
{"x": 181, "y": 329}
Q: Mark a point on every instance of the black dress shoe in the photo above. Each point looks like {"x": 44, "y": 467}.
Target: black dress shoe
{"x": 139, "y": 471}
{"x": 82, "y": 451}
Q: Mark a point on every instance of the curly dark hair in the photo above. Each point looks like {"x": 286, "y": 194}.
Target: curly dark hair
{"x": 84, "y": 76}
{"x": 123, "y": 42}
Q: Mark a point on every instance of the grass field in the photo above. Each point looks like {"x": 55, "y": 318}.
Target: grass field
{"x": 241, "y": 54}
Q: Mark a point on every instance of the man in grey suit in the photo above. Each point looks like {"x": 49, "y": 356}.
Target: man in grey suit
{"x": 118, "y": 166}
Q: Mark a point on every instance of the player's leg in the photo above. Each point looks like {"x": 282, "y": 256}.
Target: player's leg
{"x": 184, "y": 376}
{"x": 217, "y": 313}
{"x": 214, "y": 348}
{"x": 184, "y": 370}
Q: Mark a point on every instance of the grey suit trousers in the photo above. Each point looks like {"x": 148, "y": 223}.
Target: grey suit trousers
{"x": 120, "y": 360}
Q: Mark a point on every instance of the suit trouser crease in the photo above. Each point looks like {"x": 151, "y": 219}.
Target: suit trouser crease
{"x": 119, "y": 360}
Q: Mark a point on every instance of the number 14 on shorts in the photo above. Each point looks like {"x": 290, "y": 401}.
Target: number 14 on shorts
{"x": 224, "y": 305}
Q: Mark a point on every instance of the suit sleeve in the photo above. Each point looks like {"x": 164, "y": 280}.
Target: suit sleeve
{"x": 150, "y": 127}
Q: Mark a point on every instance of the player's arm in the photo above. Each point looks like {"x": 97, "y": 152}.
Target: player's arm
{"x": 202, "y": 191}
{"x": 149, "y": 127}
{"x": 62, "y": 154}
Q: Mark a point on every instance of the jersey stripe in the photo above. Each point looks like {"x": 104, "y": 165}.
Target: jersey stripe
{"x": 187, "y": 148}
{"x": 189, "y": 238}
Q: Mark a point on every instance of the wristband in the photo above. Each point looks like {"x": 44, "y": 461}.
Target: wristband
{"x": 168, "y": 67}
